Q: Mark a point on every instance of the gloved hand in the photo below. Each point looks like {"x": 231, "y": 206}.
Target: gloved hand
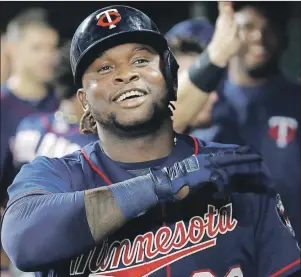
{"x": 217, "y": 167}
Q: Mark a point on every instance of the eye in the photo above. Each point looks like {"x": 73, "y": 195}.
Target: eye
{"x": 141, "y": 61}
{"x": 104, "y": 68}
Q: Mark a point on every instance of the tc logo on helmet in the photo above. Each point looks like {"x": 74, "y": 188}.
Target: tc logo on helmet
{"x": 108, "y": 14}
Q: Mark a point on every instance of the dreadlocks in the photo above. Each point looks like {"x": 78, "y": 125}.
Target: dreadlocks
{"x": 87, "y": 123}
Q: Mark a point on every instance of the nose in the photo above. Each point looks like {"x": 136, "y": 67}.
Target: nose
{"x": 126, "y": 76}
{"x": 257, "y": 35}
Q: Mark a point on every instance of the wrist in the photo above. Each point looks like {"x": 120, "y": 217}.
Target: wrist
{"x": 204, "y": 74}
{"x": 134, "y": 196}
{"x": 216, "y": 56}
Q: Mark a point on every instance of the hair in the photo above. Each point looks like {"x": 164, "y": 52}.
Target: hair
{"x": 24, "y": 20}
{"x": 185, "y": 45}
{"x": 278, "y": 13}
{"x": 87, "y": 124}
{"x": 63, "y": 77}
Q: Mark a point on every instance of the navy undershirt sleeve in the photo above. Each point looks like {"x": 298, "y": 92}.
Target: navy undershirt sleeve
{"x": 43, "y": 229}
{"x": 45, "y": 221}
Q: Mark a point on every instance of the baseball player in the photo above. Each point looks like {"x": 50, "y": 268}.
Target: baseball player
{"x": 32, "y": 52}
{"x": 53, "y": 134}
{"x": 147, "y": 201}
{"x": 258, "y": 104}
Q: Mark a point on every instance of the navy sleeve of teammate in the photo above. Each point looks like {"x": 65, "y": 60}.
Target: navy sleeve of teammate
{"x": 278, "y": 250}
{"x": 44, "y": 217}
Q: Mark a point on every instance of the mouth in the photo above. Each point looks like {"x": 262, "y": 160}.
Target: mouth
{"x": 258, "y": 51}
{"x": 129, "y": 94}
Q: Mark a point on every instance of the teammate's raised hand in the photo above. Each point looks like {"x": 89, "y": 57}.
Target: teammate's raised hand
{"x": 225, "y": 42}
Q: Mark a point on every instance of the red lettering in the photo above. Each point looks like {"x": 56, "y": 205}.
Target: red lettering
{"x": 165, "y": 240}
{"x": 179, "y": 238}
{"x": 196, "y": 229}
{"x": 163, "y": 237}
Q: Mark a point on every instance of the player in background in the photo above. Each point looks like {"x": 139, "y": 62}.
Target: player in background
{"x": 33, "y": 52}
{"x": 146, "y": 201}
{"x": 258, "y": 104}
{"x": 57, "y": 134}
{"x": 263, "y": 104}
{"x": 222, "y": 46}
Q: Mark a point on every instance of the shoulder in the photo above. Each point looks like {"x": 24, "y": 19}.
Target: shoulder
{"x": 52, "y": 175}
{"x": 48, "y": 175}
{"x": 43, "y": 165}
{"x": 73, "y": 164}
{"x": 35, "y": 121}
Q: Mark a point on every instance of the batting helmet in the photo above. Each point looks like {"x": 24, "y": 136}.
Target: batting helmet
{"x": 113, "y": 26}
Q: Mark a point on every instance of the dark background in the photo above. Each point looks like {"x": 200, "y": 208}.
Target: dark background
{"x": 67, "y": 15}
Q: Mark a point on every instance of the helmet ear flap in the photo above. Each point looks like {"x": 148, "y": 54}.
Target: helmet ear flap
{"x": 171, "y": 73}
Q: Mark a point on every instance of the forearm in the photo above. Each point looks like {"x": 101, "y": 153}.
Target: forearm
{"x": 66, "y": 224}
{"x": 42, "y": 229}
{"x": 190, "y": 100}
{"x": 103, "y": 213}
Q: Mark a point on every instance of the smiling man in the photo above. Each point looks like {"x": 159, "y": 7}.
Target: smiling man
{"x": 146, "y": 201}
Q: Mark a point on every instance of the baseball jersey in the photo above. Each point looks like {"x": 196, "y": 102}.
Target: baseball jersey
{"x": 47, "y": 135}
{"x": 267, "y": 117}
{"x": 13, "y": 110}
{"x": 245, "y": 235}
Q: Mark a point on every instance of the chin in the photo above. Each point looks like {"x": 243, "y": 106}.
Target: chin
{"x": 131, "y": 116}
{"x": 131, "y": 121}
{"x": 142, "y": 124}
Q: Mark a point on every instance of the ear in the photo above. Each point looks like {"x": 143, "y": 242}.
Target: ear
{"x": 82, "y": 98}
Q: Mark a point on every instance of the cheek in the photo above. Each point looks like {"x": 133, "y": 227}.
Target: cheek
{"x": 154, "y": 78}
{"x": 95, "y": 95}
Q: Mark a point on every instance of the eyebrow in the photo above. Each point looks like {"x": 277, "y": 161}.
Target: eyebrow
{"x": 144, "y": 48}
{"x": 140, "y": 48}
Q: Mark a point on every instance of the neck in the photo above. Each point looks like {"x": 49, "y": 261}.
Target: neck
{"x": 129, "y": 150}
{"x": 238, "y": 74}
{"x": 27, "y": 88}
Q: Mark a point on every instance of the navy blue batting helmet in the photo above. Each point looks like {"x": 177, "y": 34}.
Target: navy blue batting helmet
{"x": 115, "y": 25}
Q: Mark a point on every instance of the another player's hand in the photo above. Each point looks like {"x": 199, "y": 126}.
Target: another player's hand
{"x": 217, "y": 168}
{"x": 225, "y": 42}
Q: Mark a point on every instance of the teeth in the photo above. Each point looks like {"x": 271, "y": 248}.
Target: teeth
{"x": 128, "y": 94}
